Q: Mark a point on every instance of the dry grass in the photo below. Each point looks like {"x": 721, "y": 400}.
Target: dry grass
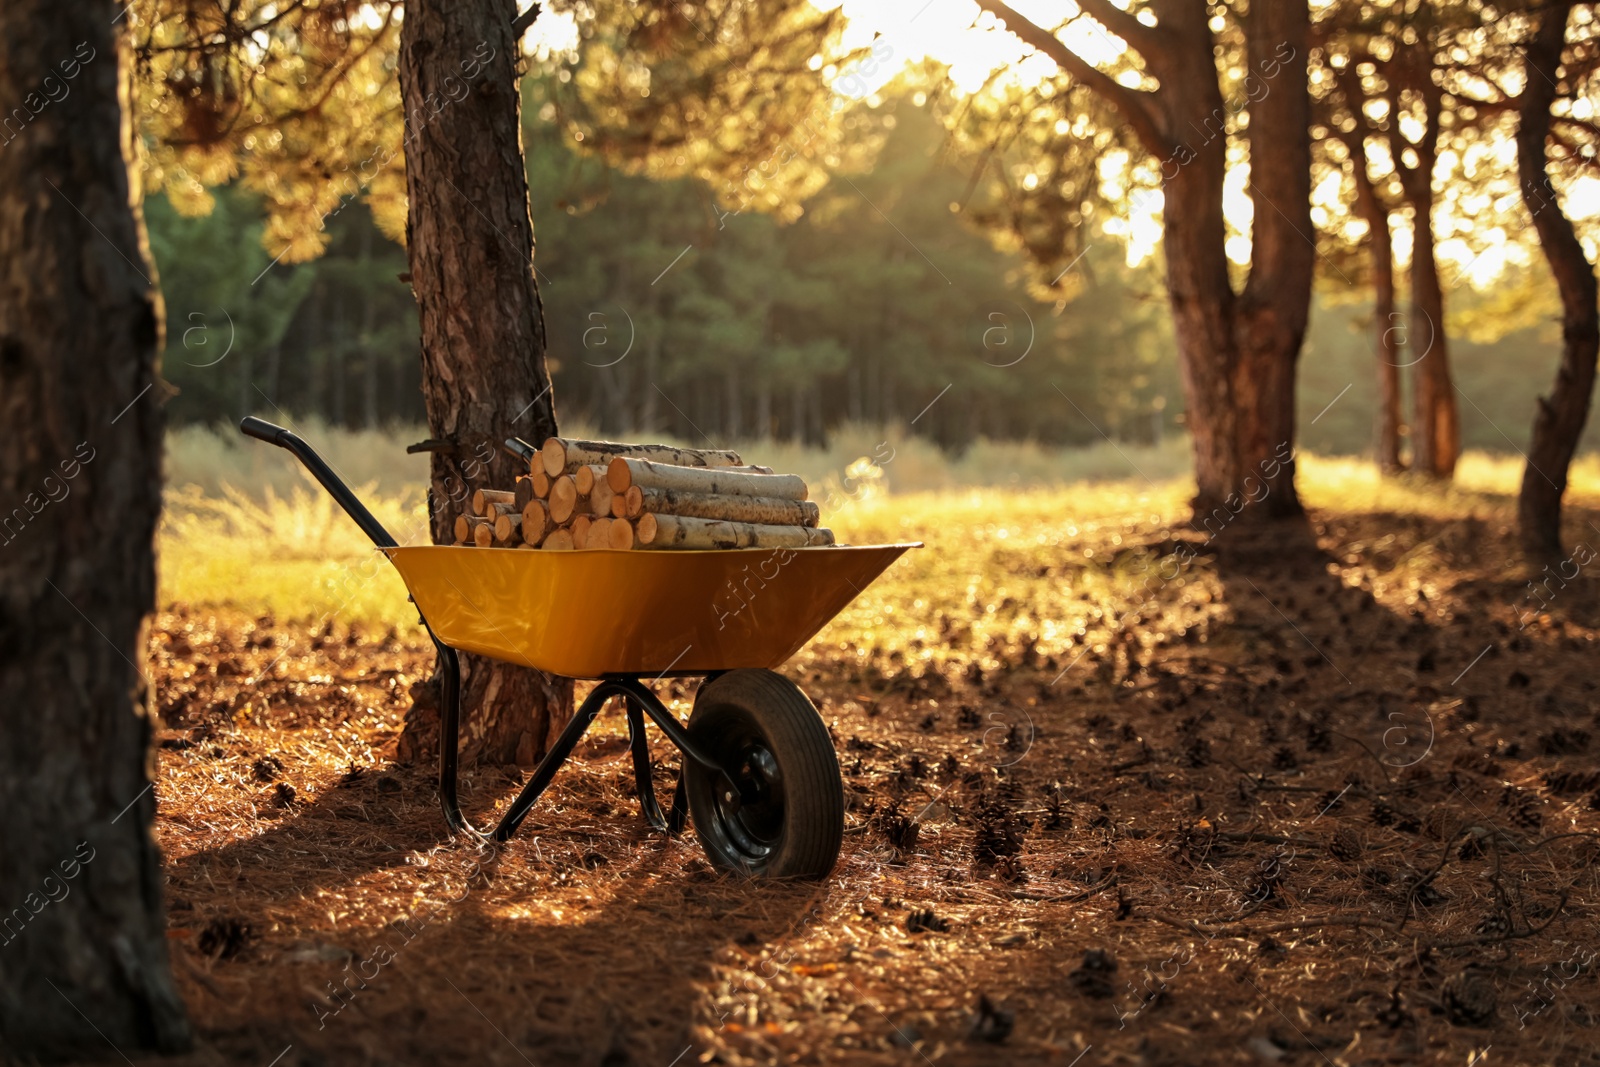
{"x": 1277, "y": 809}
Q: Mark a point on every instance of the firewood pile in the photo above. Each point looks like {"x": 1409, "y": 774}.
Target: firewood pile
{"x": 605, "y": 494}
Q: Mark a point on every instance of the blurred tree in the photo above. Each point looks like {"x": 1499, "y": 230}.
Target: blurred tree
{"x": 1342, "y": 136}
{"x": 1186, "y": 75}
{"x": 1391, "y": 64}
{"x": 84, "y": 936}
{"x": 1561, "y": 417}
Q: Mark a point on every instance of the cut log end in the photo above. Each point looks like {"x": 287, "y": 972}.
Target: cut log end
{"x": 563, "y": 499}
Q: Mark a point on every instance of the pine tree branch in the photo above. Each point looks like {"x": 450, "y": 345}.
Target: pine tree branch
{"x": 520, "y": 24}
{"x": 1134, "y": 105}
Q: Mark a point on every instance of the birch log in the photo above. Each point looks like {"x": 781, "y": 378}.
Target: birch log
{"x": 673, "y": 531}
{"x": 623, "y": 472}
{"x": 765, "y": 510}
{"x": 563, "y": 499}
{"x": 559, "y": 540}
{"x": 564, "y": 455}
{"x": 535, "y": 522}
{"x": 482, "y": 498}
{"x": 508, "y": 526}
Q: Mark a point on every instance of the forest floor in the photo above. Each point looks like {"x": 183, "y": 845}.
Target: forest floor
{"x": 1324, "y": 793}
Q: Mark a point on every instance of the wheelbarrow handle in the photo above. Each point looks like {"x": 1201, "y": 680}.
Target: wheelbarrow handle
{"x": 272, "y": 434}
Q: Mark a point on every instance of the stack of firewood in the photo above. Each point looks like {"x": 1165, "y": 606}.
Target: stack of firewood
{"x": 603, "y": 494}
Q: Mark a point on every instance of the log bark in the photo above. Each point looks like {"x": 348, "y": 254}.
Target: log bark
{"x": 470, "y": 244}
{"x": 623, "y": 473}
{"x": 672, "y": 531}
{"x": 1561, "y": 416}
{"x": 565, "y": 455}
{"x": 769, "y": 511}
{"x": 83, "y": 938}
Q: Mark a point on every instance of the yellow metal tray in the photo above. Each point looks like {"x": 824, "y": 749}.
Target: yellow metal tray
{"x": 586, "y": 614}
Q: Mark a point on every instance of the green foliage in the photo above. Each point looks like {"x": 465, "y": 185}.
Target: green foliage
{"x": 226, "y": 311}
{"x": 874, "y": 304}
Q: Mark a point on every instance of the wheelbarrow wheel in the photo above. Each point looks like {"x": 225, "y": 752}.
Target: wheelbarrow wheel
{"x": 778, "y": 812}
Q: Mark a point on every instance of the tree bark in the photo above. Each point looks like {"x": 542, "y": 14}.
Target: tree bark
{"x": 1275, "y": 307}
{"x": 83, "y": 950}
{"x": 1386, "y": 338}
{"x": 1386, "y": 341}
{"x": 470, "y": 242}
{"x": 1237, "y": 352}
{"x": 1435, "y": 421}
{"x": 1561, "y": 416}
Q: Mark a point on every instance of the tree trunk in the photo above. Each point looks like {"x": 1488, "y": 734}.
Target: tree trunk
{"x": 1435, "y": 422}
{"x": 1561, "y": 416}
{"x": 1386, "y": 339}
{"x": 1275, "y": 307}
{"x": 83, "y": 948}
{"x": 1387, "y": 342}
{"x": 1238, "y": 353}
{"x": 470, "y": 242}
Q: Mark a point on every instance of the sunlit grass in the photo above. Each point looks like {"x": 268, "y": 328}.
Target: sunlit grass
{"x": 1035, "y": 560}
{"x": 295, "y": 556}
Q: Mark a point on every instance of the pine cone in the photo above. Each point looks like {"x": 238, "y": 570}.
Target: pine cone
{"x": 1345, "y": 845}
{"x": 1469, "y": 998}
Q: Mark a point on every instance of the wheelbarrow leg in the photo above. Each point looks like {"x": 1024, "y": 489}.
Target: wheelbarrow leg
{"x": 449, "y": 751}
{"x": 641, "y": 769}
{"x": 546, "y": 771}
{"x": 449, "y": 739}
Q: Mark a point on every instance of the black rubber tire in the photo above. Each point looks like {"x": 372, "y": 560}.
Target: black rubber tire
{"x": 787, "y": 817}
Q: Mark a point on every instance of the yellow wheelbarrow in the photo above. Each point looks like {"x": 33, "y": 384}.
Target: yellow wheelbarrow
{"x": 759, "y": 775}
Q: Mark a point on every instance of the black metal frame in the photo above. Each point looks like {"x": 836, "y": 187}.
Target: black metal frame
{"x": 639, "y": 700}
